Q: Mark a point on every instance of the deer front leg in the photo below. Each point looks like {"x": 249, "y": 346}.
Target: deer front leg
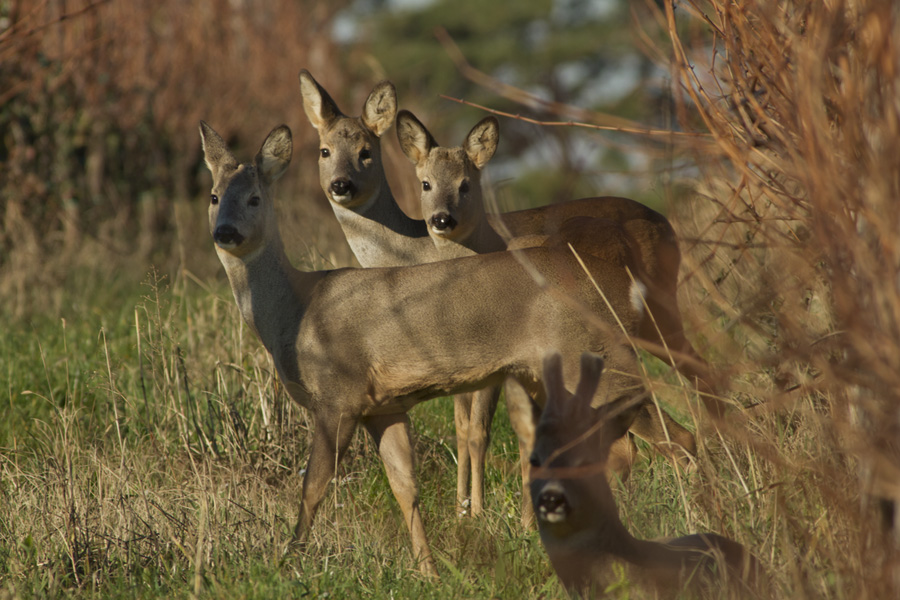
{"x": 462, "y": 411}
{"x": 523, "y": 416}
{"x": 484, "y": 404}
{"x": 330, "y": 440}
{"x": 391, "y": 435}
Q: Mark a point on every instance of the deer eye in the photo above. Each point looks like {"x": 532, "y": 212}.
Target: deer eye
{"x": 464, "y": 187}
{"x": 426, "y": 186}
{"x": 325, "y": 152}
{"x": 213, "y": 199}
{"x": 365, "y": 154}
{"x": 254, "y": 201}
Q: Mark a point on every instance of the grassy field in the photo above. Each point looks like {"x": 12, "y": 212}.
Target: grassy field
{"x": 147, "y": 449}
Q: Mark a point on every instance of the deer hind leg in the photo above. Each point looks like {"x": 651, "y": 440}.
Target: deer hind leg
{"x": 392, "y": 436}
{"x": 484, "y": 405}
{"x": 462, "y": 416}
{"x": 330, "y": 440}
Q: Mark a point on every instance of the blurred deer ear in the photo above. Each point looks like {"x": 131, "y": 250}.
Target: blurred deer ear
{"x": 380, "y": 108}
{"x": 553, "y": 381}
{"x": 320, "y": 109}
{"x": 275, "y": 154}
{"x": 415, "y": 140}
{"x": 216, "y": 154}
{"x": 591, "y": 368}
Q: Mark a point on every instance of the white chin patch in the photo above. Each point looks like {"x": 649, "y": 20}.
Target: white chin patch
{"x": 557, "y": 516}
{"x": 444, "y": 233}
{"x": 228, "y": 246}
{"x": 344, "y": 199}
{"x": 637, "y": 294}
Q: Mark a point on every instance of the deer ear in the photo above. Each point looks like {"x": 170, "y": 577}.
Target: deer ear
{"x": 380, "y": 108}
{"x": 320, "y": 109}
{"x": 275, "y": 154}
{"x": 591, "y": 368}
{"x": 216, "y": 154}
{"x": 553, "y": 382}
{"x": 415, "y": 140}
{"x": 481, "y": 143}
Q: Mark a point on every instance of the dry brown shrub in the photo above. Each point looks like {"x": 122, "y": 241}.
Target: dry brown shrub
{"x": 791, "y": 248}
{"x": 99, "y": 107}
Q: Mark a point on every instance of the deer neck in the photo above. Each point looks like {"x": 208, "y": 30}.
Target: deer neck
{"x": 382, "y": 235}
{"x": 272, "y": 297}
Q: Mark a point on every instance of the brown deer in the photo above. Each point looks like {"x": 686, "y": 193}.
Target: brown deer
{"x": 380, "y": 234}
{"x": 576, "y": 513}
{"x": 363, "y": 346}
{"x": 352, "y": 176}
{"x": 452, "y": 204}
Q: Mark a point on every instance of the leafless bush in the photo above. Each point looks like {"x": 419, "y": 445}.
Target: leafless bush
{"x": 99, "y": 105}
{"x": 793, "y": 259}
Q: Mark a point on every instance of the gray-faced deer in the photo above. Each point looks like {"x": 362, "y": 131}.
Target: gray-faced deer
{"x": 362, "y": 346}
{"x": 351, "y": 174}
{"x": 577, "y": 516}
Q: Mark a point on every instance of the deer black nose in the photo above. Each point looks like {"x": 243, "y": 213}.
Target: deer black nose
{"x": 442, "y": 222}
{"x": 227, "y": 235}
{"x": 341, "y": 187}
{"x": 552, "y": 505}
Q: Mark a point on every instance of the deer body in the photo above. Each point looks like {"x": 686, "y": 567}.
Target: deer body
{"x": 362, "y": 346}
{"x": 453, "y": 207}
{"x": 577, "y": 516}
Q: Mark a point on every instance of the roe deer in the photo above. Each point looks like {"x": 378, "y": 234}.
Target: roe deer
{"x": 352, "y": 176}
{"x": 363, "y": 346}
{"x": 577, "y": 517}
{"x": 453, "y": 206}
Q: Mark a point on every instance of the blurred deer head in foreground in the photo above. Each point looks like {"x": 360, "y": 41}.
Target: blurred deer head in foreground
{"x": 576, "y": 513}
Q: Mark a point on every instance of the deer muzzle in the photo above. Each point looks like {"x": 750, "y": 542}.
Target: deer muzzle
{"x": 342, "y": 189}
{"x": 227, "y": 236}
{"x": 442, "y": 222}
{"x": 551, "y": 504}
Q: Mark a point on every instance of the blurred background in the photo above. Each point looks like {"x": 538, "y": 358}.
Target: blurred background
{"x": 100, "y": 101}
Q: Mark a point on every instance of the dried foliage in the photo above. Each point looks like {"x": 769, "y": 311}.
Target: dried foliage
{"x": 791, "y": 245}
{"x": 99, "y": 106}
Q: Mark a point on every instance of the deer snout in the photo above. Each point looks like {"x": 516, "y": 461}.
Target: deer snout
{"x": 551, "y": 503}
{"x": 341, "y": 187}
{"x": 227, "y": 236}
{"x": 442, "y": 222}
